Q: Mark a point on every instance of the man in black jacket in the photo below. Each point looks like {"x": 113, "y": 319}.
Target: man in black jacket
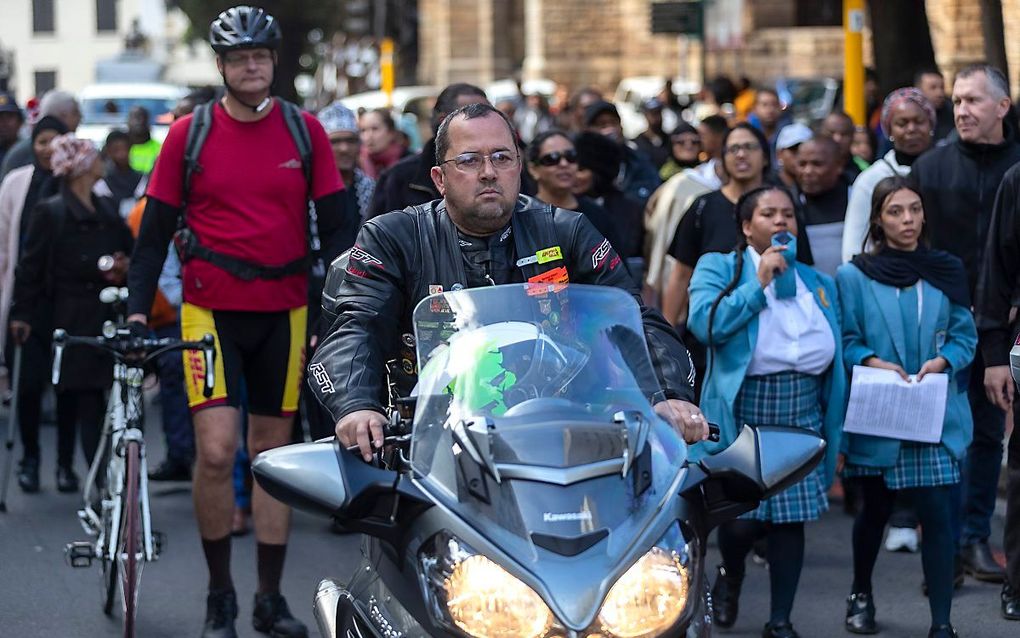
{"x": 998, "y": 287}
{"x": 472, "y": 237}
{"x": 407, "y": 183}
{"x": 958, "y": 182}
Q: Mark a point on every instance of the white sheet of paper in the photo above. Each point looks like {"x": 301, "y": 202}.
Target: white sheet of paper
{"x": 883, "y": 404}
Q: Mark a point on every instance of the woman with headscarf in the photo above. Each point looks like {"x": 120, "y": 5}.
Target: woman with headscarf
{"x": 906, "y": 309}
{"x": 909, "y": 119}
{"x": 21, "y": 189}
{"x": 685, "y": 150}
{"x": 599, "y": 159}
{"x": 57, "y": 285}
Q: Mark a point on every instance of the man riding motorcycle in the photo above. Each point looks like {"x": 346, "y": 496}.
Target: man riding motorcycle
{"x": 483, "y": 232}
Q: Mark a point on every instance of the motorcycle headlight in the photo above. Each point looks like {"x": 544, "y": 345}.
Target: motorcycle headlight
{"x": 650, "y": 596}
{"x": 481, "y": 599}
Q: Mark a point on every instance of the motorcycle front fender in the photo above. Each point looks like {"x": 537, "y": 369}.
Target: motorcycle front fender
{"x": 336, "y": 614}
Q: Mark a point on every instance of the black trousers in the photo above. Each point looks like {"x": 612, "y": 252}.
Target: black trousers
{"x": 1011, "y": 537}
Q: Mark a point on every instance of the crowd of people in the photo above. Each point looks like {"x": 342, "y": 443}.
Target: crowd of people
{"x": 782, "y": 253}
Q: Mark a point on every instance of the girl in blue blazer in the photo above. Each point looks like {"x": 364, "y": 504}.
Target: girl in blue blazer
{"x": 771, "y": 326}
{"x": 906, "y": 308}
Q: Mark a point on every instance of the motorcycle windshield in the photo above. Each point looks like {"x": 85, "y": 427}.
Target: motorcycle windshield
{"x": 549, "y": 389}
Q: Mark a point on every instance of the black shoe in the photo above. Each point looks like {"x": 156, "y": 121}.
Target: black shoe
{"x": 220, "y": 612}
{"x": 958, "y": 576}
{"x": 979, "y": 563}
{"x": 942, "y": 631}
{"x": 28, "y": 475}
{"x": 726, "y": 597}
{"x": 1010, "y": 603}
{"x": 272, "y": 617}
{"x": 860, "y": 614}
{"x": 779, "y": 630}
{"x": 171, "y": 470}
{"x": 67, "y": 480}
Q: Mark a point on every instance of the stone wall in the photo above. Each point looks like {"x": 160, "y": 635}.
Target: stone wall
{"x": 598, "y": 42}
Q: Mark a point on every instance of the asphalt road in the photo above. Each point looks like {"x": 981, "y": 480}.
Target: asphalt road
{"x": 41, "y": 596}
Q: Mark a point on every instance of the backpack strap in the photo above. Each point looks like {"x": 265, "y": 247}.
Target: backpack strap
{"x": 198, "y": 131}
{"x": 302, "y": 138}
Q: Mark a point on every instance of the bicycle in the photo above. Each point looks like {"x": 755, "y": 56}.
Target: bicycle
{"x": 120, "y": 519}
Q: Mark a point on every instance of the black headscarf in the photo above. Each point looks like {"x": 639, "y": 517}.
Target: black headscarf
{"x": 683, "y": 127}
{"x": 902, "y": 269}
{"x": 43, "y": 183}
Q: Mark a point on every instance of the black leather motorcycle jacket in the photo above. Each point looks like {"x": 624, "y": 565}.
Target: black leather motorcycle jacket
{"x": 404, "y": 256}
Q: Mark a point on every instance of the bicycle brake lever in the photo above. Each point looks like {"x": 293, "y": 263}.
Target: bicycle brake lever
{"x": 209, "y": 350}
{"x": 59, "y": 336}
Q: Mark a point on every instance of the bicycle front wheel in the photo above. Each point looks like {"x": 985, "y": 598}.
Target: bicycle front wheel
{"x": 129, "y": 552}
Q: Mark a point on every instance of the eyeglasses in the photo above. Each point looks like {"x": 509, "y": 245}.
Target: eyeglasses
{"x": 473, "y": 162}
{"x": 552, "y": 159}
{"x": 686, "y": 141}
{"x": 747, "y": 147}
{"x": 240, "y": 58}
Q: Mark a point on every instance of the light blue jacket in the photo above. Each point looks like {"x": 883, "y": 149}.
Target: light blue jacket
{"x": 873, "y": 326}
{"x": 734, "y": 335}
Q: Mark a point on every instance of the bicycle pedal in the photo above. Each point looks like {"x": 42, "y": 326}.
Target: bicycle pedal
{"x": 158, "y": 543}
{"x": 79, "y": 554}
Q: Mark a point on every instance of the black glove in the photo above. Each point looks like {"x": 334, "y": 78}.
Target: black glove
{"x": 137, "y": 330}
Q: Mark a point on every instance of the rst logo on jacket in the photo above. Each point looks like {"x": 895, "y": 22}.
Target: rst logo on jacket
{"x": 599, "y": 254}
{"x": 357, "y": 254}
{"x": 321, "y": 378}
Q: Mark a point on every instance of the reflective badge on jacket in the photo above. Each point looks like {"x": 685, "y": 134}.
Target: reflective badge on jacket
{"x": 543, "y": 256}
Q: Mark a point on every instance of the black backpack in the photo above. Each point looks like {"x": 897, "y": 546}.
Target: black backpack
{"x": 185, "y": 240}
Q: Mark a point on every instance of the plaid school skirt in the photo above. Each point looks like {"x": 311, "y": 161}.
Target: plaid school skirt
{"x": 791, "y": 399}
{"x": 918, "y": 465}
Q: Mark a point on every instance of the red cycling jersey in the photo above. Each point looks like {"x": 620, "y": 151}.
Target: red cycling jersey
{"x": 247, "y": 201}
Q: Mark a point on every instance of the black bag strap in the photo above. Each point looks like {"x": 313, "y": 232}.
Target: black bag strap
{"x": 198, "y": 131}
{"x": 298, "y": 128}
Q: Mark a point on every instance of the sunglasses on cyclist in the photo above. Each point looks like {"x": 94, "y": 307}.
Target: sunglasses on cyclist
{"x": 552, "y": 159}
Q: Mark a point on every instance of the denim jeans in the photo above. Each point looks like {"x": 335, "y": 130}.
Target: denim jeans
{"x": 177, "y": 427}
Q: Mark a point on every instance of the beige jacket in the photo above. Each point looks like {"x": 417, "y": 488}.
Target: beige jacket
{"x": 13, "y": 191}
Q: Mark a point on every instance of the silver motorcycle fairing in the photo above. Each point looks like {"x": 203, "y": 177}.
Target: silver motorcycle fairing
{"x": 368, "y": 608}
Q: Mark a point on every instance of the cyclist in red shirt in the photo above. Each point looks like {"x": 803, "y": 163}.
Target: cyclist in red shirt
{"x": 240, "y": 218}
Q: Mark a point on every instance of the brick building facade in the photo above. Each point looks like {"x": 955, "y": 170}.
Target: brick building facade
{"x": 597, "y": 42}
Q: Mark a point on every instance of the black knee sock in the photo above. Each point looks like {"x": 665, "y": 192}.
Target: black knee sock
{"x": 217, "y": 557}
{"x": 933, "y": 508}
{"x": 875, "y": 508}
{"x": 735, "y": 541}
{"x": 786, "y": 559}
{"x": 270, "y": 559}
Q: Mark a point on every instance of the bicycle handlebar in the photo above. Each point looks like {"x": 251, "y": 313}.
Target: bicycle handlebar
{"x": 117, "y": 340}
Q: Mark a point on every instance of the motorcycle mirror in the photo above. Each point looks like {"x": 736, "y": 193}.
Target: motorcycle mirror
{"x": 306, "y": 476}
{"x": 323, "y": 478}
{"x": 760, "y": 463}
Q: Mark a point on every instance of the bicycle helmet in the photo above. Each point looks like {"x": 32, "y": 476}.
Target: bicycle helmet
{"x": 244, "y": 27}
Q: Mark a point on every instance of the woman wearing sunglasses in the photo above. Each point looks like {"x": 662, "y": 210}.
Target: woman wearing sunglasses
{"x": 552, "y": 162}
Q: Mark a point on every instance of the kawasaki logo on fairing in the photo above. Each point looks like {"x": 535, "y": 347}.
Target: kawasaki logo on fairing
{"x": 550, "y": 517}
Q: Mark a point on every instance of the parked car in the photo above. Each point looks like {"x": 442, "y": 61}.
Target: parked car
{"x": 411, "y": 108}
{"x": 808, "y": 100}
{"x": 632, "y": 91}
{"x": 105, "y": 107}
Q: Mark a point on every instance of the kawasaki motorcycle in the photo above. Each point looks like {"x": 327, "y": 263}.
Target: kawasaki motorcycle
{"x": 528, "y": 489}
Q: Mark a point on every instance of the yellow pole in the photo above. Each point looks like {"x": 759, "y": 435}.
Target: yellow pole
{"x": 386, "y": 68}
{"x": 853, "y": 60}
